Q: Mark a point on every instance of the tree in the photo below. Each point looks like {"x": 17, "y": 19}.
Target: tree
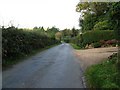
{"x": 82, "y": 6}
{"x": 98, "y": 8}
{"x": 51, "y": 32}
{"x": 66, "y": 32}
{"x": 89, "y": 22}
{"x": 58, "y": 36}
{"x": 114, "y": 17}
{"x": 74, "y": 32}
{"x": 53, "y": 29}
{"x": 92, "y": 13}
{"x": 103, "y": 25}
{"x": 42, "y": 29}
{"x": 35, "y": 27}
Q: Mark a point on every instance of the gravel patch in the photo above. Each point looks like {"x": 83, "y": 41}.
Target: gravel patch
{"x": 93, "y": 56}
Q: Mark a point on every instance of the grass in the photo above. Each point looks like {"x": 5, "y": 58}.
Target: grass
{"x": 104, "y": 75}
{"x": 10, "y": 62}
{"x": 75, "y": 46}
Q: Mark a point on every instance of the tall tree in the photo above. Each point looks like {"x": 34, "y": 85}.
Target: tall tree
{"x": 74, "y": 32}
{"x": 92, "y": 13}
{"x": 114, "y": 17}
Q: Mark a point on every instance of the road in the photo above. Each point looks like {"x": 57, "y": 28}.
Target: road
{"x": 56, "y": 67}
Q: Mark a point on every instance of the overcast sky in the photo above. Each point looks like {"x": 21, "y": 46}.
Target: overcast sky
{"x": 47, "y": 13}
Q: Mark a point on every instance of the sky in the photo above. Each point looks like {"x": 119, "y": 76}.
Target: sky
{"x": 46, "y": 13}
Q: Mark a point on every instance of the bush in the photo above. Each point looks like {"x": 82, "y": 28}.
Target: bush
{"x": 111, "y": 42}
{"x": 97, "y": 45}
{"x": 102, "y": 42}
{"x": 19, "y": 42}
{"x": 67, "y": 39}
{"x": 75, "y": 40}
{"x": 104, "y": 75}
{"x": 95, "y": 36}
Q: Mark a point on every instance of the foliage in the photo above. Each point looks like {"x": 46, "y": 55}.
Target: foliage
{"x": 103, "y": 25}
{"x": 97, "y": 44}
{"x": 67, "y": 39}
{"x": 58, "y": 36}
{"x": 96, "y": 21}
{"x": 118, "y": 63}
{"x": 110, "y": 42}
{"x": 52, "y": 31}
{"x": 75, "y": 40}
{"x": 114, "y": 17}
{"x": 82, "y": 6}
{"x": 98, "y": 8}
{"x": 66, "y": 32}
{"x": 41, "y": 29}
{"x": 20, "y": 42}
{"x": 75, "y": 46}
{"x": 96, "y": 36}
{"x": 68, "y": 35}
{"x": 74, "y": 32}
{"x": 88, "y": 22}
{"x": 104, "y": 75}
{"x": 95, "y": 15}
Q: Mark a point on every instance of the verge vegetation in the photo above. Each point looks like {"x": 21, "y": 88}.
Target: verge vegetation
{"x": 100, "y": 27}
{"x": 19, "y": 43}
{"x": 104, "y": 75}
{"x": 75, "y": 46}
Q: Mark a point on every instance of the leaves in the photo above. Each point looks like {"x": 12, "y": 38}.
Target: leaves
{"x": 18, "y": 42}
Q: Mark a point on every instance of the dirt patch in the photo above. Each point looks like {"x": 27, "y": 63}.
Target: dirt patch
{"x": 89, "y": 57}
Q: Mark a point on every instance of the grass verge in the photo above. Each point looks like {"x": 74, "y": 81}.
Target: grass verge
{"x": 10, "y": 62}
{"x": 75, "y": 46}
{"x": 104, "y": 75}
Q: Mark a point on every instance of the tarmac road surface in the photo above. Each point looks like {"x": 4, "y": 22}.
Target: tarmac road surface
{"x": 56, "y": 67}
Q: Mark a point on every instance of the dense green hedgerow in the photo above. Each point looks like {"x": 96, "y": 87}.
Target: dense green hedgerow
{"x": 19, "y": 42}
{"x": 97, "y": 35}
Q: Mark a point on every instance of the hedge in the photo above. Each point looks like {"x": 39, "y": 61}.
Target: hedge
{"x": 19, "y": 42}
{"x": 97, "y": 35}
